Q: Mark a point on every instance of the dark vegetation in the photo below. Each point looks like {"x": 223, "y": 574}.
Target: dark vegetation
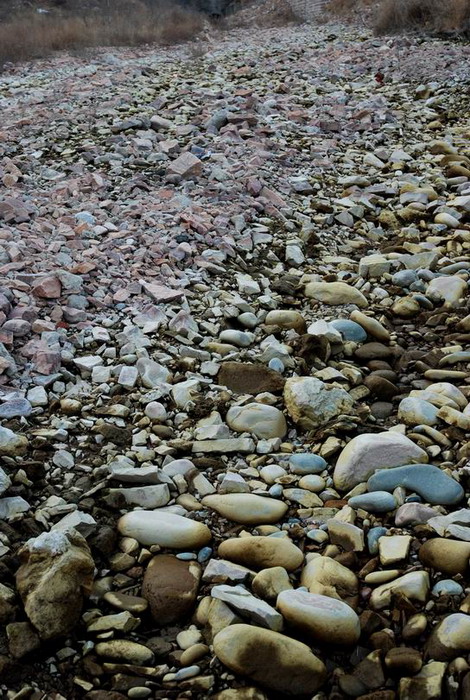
{"x": 441, "y": 17}
{"x": 37, "y": 28}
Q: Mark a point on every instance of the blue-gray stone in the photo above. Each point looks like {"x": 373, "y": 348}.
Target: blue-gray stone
{"x": 15, "y": 408}
{"x": 404, "y": 278}
{"x": 454, "y": 357}
{"x": 374, "y": 502}
{"x": 350, "y": 330}
{"x": 428, "y": 481}
{"x": 373, "y": 536}
{"x": 447, "y": 587}
{"x": 86, "y": 217}
{"x": 306, "y": 463}
{"x": 275, "y": 491}
{"x": 414, "y": 411}
{"x": 418, "y": 286}
{"x": 186, "y": 556}
{"x": 276, "y": 364}
{"x": 423, "y": 301}
{"x": 204, "y": 554}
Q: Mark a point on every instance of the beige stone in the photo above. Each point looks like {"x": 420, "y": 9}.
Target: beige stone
{"x": 326, "y": 576}
{"x": 262, "y": 552}
{"x": 268, "y": 583}
{"x": 394, "y": 548}
{"x": 335, "y": 293}
{"x": 246, "y": 508}
{"x": 414, "y": 585}
{"x": 323, "y": 619}
{"x": 166, "y": 529}
{"x": 448, "y": 556}
{"x": 55, "y": 575}
{"x": 271, "y": 659}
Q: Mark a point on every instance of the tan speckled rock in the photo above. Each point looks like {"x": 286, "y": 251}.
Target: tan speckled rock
{"x": 323, "y": 619}
{"x": 246, "y": 508}
{"x": 271, "y": 659}
{"x": 449, "y": 556}
{"x": 262, "y": 552}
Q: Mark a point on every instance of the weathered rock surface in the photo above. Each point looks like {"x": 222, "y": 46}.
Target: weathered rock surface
{"x": 55, "y": 575}
{"x": 271, "y": 659}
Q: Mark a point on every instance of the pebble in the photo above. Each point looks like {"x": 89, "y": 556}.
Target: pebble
{"x": 450, "y": 638}
{"x": 335, "y": 293}
{"x": 447, "y": 587}
{"x": 323, "y": 619}
{"x": 262, "y": 552}
{"x": 445, "y": 555}
{"x": 259, "y": 419}
{"x": 311, "y": 403}
{"x": 375, "y": 502}
{"x": 368, "y": 452}
{"x": 250, "y": 651}
{"x": 170, "y": 586}
{"x": 414, "y": 411}
{"x": 125, "y": 651}
{"x": 246, "y": 508}
{"x": 429, "y": 481}
{"x": 165, "y": 529}
{"x": 414, "y": 585}
{"x": 325, "y": 576}
{"x": 247, "y": 606}
{"x": 350, "y": 330}
{"x": 394, "y": 549}
{"x": 305, "y": 463}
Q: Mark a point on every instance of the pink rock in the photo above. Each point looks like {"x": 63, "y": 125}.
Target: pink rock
{"x": 160, "y": 293}
{"x": 40, "y": 326}
{"x": 186, "y": 165}
{"x": 47, "y": 362}
{"x": 48, "y": 288}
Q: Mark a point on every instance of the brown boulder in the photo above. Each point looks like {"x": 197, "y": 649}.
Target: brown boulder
{"x": 170, "y": 585}
{"x": 249, "y": 378}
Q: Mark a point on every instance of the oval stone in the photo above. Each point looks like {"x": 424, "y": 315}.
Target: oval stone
{"x": 448, "y": 556}
{"x": 450, "y": 638}
{"x": 170, "y": 586}
{"x": 323, "y": 619}
{"x": 260, "y": 419}
{"x": 271, "y": 659}
{"x": 166, "y": 529}
{"x": 376, "y": 502}
{"x": 246, "y": 508}
{"x": 262, "y": 552}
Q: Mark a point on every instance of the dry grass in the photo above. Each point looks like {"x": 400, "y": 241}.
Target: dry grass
{"x": 30, "y": 35}
{"x": 403, "y": 16}
{"x": 261, "y": 15}
{"x": 447, "y": 16}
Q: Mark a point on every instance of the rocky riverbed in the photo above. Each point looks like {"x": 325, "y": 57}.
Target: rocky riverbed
{"x": 234, "y": 370}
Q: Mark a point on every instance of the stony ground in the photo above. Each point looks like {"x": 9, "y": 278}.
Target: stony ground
{"x": 235, "y": 395}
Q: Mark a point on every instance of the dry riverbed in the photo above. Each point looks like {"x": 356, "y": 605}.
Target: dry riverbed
{"x": 234, "y": 370}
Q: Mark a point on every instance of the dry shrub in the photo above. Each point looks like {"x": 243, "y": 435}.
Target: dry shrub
{"x": 263, "y": 14}
{"x": 396, "y": 16}
{"x": 30, "y": 35}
